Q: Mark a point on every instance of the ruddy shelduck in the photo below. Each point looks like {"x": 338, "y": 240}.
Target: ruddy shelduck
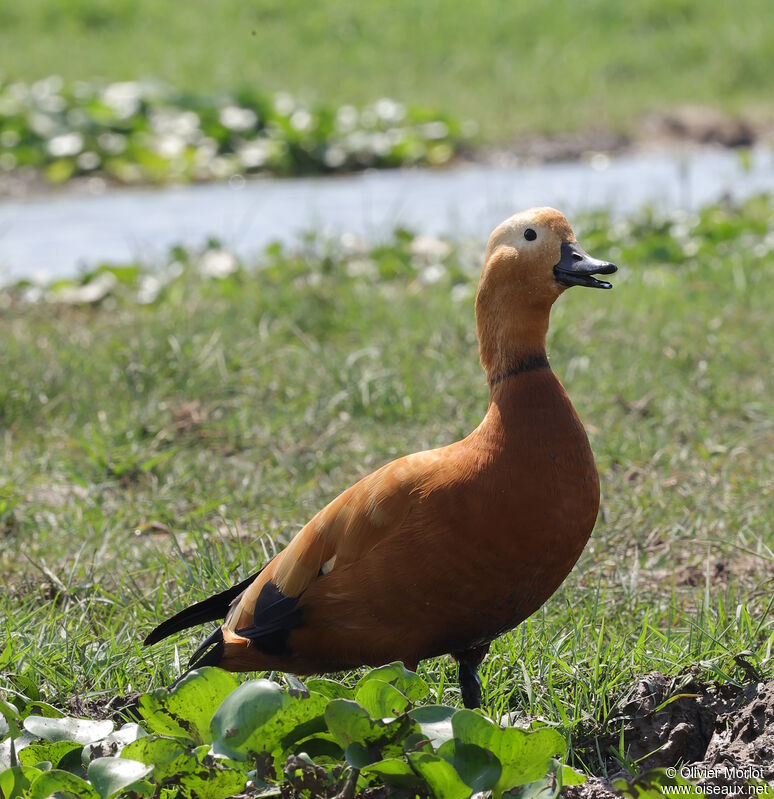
{"x": 440, "y": 551}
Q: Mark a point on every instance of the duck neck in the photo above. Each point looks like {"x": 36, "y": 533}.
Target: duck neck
{"x": 527, "y": 363}
{"x": 514, "y": 346}
{"x": 510, "y": 392}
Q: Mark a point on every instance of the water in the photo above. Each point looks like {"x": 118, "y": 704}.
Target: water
{"x": 55, "y": 236}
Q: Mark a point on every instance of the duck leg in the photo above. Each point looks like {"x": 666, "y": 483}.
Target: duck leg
{"x": 467, "y": 671}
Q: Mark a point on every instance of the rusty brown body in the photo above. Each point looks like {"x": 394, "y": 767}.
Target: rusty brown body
{"x": 444, "y": 550}
{"x": 479, "y": 535}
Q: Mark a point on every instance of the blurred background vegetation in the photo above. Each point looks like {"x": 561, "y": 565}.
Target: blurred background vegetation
{"x": 514, "y": 68}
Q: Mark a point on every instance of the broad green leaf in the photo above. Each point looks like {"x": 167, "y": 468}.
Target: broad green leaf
{"x": 329, "y": 688}
{"x": 8, "y": 751}
{"x": 112, "y": 745}
{"x": 43, "y": 709}
{"x": 434, "y": 722}
{"x": 81, "y": 731}
{"x": 214, "y": 778}
{"x": 440, "y": 776}
{"x": 359, "y": 756}
{"x": 394, "y": 771}
{"x": 545, "y": 788}
{"x": 572, "y": 777}
{"x": 24, "y": 740}
{"x": 525, "y": 756}
{"x": 261, "y": 717}
{"x": 371, "y": 739}
{"x": 350, "y": 723}
{"x": 322, "y": 745}
{"x": 168, "y": 756}
{"x": 16, "y": 780}
{"x": 127, "y": 733}
{"x": 477, "y": 767}
{"x": 381, "y": 699}
{"x": 186, "y": 710}
{"x": 396, "y": 674}
{"x": 58, "y": 781}
{"x": 11, "y": 718}
{"x": 53, "y": 751}
{"x": 214, "y": 785}
{"x": 111, "y": 775}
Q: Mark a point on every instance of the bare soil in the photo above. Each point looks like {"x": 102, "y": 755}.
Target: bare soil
{"x": 678, "y": 126}
{"x": 678, "y": 722}
{"x": 116, "y": 708}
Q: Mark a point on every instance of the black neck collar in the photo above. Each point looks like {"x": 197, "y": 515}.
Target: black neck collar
{"x": 528, "y": 364}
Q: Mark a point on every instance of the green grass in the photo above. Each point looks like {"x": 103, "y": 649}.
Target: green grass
{"x": 150, "y": 454}
{"x": 514, "y": 67}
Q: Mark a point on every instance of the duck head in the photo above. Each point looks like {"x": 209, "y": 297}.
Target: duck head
{"x": 531, "y": 259}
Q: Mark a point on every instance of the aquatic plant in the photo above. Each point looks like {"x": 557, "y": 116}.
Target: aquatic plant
{"x": 145, "y": 132}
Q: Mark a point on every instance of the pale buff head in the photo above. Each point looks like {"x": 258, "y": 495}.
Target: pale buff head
{"x": 531, "y": 258}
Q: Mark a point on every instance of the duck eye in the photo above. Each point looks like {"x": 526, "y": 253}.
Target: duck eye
{"x": 529, "y": 234}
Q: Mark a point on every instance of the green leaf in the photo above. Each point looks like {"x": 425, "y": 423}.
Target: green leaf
{"x": 213, "y": 778}
{"x": 394, "y": 771}
{"x": 367, "y": 740}
{"x": 434, "y": 722}
{"x": 440, "y": 776}
{"x": 477, "y": 767}
{"x": 110, "y": 775}
{"x": 396, "y": 674}
{"x": 572, "y": 777}
{"x": 43, "y": 709}
{"x": 58, "y": 781}
{"x": 186, "y": 710}
{"x": 545, "y": 788}
{"x": 350, "y": 723}
{"x": 319, "y": 746}
{"x": 168, "y": 757}
{"x": 329, "y": 688}
{"x": 381, "y": 699}
{"x": 113, "y": 744}
{"x": 16, "y": 780}
{"x": 81, "y": 731}
{"x": 10, "y": 748}
{"x": 525, "y": 756}
{"x": 53, "y": 751}
{"x": 260, "y": 717}
{"x": 11, "y": 717}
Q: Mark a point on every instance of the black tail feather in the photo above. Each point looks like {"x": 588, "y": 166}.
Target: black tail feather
{"x": 210, "y": 658}
{"x": 214, "y": 608}
{"x": 213, "y": 656}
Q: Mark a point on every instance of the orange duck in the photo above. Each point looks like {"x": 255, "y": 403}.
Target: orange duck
{"x": 440, "y": 551}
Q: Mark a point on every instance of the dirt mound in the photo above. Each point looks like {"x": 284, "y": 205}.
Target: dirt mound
{"x": 667, "y": 724}
{"x": 593, "y": 788}
{"x": 702, "y": 125}
{"x": 746, "y": 737}
{"x": 116, "y": 708}
{"x": 716, "y": 733}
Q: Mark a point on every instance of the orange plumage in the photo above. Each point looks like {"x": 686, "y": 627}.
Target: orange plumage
{"x": 440, "y": 551}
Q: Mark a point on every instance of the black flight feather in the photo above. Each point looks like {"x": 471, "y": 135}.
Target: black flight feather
{"x": 213, "y": 608}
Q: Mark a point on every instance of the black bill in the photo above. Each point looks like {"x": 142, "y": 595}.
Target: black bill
{"x": 577, "y": 268}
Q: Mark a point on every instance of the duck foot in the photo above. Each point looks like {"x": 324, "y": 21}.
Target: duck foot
{"x": 467, "y": 673}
